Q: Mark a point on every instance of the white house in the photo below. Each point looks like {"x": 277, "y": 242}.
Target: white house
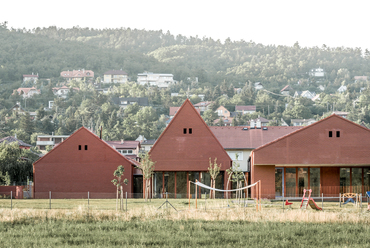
{"x": 115, "y": 76}
{"x": 63, "y": 91}
{"x": 155, "y": 79}
{"x": 317, "y": 72}
{"x": 27, "y": 92}
{"x": 342, "y": 89}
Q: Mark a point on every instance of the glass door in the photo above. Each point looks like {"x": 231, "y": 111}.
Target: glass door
{"x": 279, "y": 182}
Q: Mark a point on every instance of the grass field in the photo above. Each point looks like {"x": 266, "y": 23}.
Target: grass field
{"x": 73, "y": 223}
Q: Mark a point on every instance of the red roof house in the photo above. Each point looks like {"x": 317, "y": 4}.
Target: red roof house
{"x": 183, "y": 150}
{"x": 330, "y": 157}
{"x": 80, "y": 164}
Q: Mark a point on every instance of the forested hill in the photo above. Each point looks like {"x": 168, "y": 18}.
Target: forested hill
{"x": 48, "y": 51}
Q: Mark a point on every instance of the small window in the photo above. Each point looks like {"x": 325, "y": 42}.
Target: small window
{"x": 85, "y": 147}
{"x": 330, "y": 134}
{"x": 184, "y": 130}
{"x": 190, "y": 130}
{"x": 79, "y": 147}
{"x": 338, "y": 134}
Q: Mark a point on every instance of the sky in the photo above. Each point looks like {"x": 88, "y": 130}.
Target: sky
{"x": 270, "y": 22}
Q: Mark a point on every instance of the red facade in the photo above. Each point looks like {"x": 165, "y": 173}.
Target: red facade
{"x": 187, "y": 144}
{"x": 82, "y": 163}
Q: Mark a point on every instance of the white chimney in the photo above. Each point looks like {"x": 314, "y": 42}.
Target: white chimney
{"x": 122, "y": 141}
{"x": 258, "y": 123}
{"x": 252, "y": 124}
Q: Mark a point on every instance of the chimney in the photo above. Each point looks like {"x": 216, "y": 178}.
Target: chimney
{"x": 122, "y": 141}
{"x": 258, "y": 123}
{"x": 252, "y": 124}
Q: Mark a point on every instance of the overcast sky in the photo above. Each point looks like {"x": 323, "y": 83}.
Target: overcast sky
{"x": 279, "y": 22}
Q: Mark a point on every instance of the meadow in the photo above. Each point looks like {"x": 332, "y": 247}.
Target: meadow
{"x": 73, "y": 223}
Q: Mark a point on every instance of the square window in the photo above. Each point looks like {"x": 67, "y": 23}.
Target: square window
{"x": 330, "y": 134}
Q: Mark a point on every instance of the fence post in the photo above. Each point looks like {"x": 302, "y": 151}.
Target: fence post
{"x": 49, "y": 199}
{"x": 283, "y": 201}
{"x": 11, "y": 200}
{"x": 88, "y": 202}
{"x": 340, "y": 200}
{"x": 126, "y": 201}
{"x": 322, "y": 200}
{"x": 205, "y": 203}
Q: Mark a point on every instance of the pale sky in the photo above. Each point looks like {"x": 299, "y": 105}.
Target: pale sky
{"x": 279, "y": 22}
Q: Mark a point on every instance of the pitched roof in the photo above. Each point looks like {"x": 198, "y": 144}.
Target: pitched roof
{"x": 80, "y": 130}
{"x": 127, "y": 144}
{"x": 77, "y": 74}
{"x": 263, "y": 120}
{"x": 11, "y": 139}
{"x": 178, "y": 149}
{"x": 26, "y": 90}
{"x": 173, "y": 110}
{"x": 245, "y": 108}
{"x": 286, "y": 88}
{"x": 246, "y": 138}
{"x": 202, "y": 104}
{"x": 314, "y": 145}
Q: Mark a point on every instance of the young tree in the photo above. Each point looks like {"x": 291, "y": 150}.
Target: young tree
{"x": 118, "y": 182}
{"x": 236, "y": 175}
{"x": 213, "y": 170}
{"x": 147, "y": 168}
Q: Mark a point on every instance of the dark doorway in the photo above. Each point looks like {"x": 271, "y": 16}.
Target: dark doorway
{"x": 138, "y": 186}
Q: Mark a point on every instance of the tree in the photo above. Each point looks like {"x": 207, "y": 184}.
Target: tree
{"x": 237, "y": 176}
{"x": 118, "y": 182}
{"x": 147, "y": 168}
{"x": 213, "y": 170}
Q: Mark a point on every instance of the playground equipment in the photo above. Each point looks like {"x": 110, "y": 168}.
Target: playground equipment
{"x": 351, "y": 197}
{"x": 257, "y": 185}
{"x": 368, "y": 200}
{"x": 308, "y": 200}
{"x": 288, "y": 203}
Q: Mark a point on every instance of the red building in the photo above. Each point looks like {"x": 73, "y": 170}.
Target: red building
{"x": 182, "y": 153}
{"x": 80, "y": 164}
{"x": 330, "y": 157}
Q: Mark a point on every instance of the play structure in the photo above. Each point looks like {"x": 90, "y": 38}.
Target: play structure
{"x": 308, "y": 201}
{"x": 368, "y": 199}
{"x": 257, "y": 185}
{"x": 351, "y": 197}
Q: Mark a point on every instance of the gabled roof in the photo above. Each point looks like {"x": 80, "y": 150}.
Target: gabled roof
{"x": 26, "y": 90}
{"x": 332, "y": 140}
{"x": 126, "y": 144}
{"x": 11, "y": 139}
{"x": 178, "y": 149}
{"x": 76, "y": 133}
{"x": 286, "y": 88}
{"x": 246, "y": 138}
{"x": 173, "y": 110}
{"x": 77, "y": 74}
{"x": 203, "y": 104}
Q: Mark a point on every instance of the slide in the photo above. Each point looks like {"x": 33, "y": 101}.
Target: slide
{"x": 313, "y": 204}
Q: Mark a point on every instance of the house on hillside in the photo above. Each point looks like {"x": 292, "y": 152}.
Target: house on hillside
{"x": 160, "y": 80}
{"x": 128, "y": 148}
{"x": 249, "y": 109}
{"x": 115, "y": 76}
{"x": 203, "y": 106}
{"x": 306, "y": 94}
{"x": 77, "y": 75}
{"x": 258, "y": 123}
{"x": 49, "y": 140}
{"x": 302, "y": 122}
{"x": 30, "y": 78}
{"x": 285, "y": 91}
{"x": 182, "y": 154}
{"x": 258, "y": 86}
{"x": 329, "y": 157}
{"x": 11, "y": 139}
{"x": 341, "y": 113}
{"x": 342, "y": 89}
{"x": 63, "y": 91}
{"x": 317, "y": 72}
{"x": 82, "y": 163}
{"x": 123, "y": 102}
{"x": 27, "y": 92}
{"x": 222, "y": 112}
{"x": 360, "y": 78}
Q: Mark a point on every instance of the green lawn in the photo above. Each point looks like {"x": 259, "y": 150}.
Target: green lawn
{"x": 191, "y": 233}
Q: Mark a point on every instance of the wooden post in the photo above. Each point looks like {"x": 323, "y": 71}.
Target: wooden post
{"x": 257, "y": 196}
{"x": 196, "y": 194}
{"x": 189, "y": 195}
{"x": 260, "y": 191}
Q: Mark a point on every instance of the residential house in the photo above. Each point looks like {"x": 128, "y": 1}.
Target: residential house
{"x": 123, "y": 102}
{"x": 240, "y": 141}
{"x": 341, "y": 113}
{"x": 316, "y": 98}
{"x": 302, "y": 122}
{"x": 155, "y": 79}
{"x": 203, "y": 106}
{"x": 77, "y": 75}
{"x": 127, "y": 148}
{"x": 49, "y": 140}
{"x": 360, "y": 78}
{"x": 317, "y": 72}
{"x": 27, "y": 92}
{"x": 173, "y": 111}
{"x": 285, "y": 91}
{"x": 11, "y": 139}
{"x": 227, "y": 121}
{"x": 222, "y": 112}
{"x": 306, "y": 94}
{"x": 182, "y": 154}
{"x": 258, "y": 123}
{"x": 321, "y": 87}
{"x": 63, "y": 91}
{"x": 249, "y": 109}
{"x": 330, "y": 157}
{"x": 145, "y": 145}
{"x": 82, "y": 164}
{"x": 115, "y": 76}
{"x": 342, "y": 89}
{"x": 30, "y": 78}
{"x": 258, "y": 86}
{"x": 17, "y": 108}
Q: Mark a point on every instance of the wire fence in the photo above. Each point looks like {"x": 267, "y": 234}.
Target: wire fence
{"x": 130, "y": 201}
